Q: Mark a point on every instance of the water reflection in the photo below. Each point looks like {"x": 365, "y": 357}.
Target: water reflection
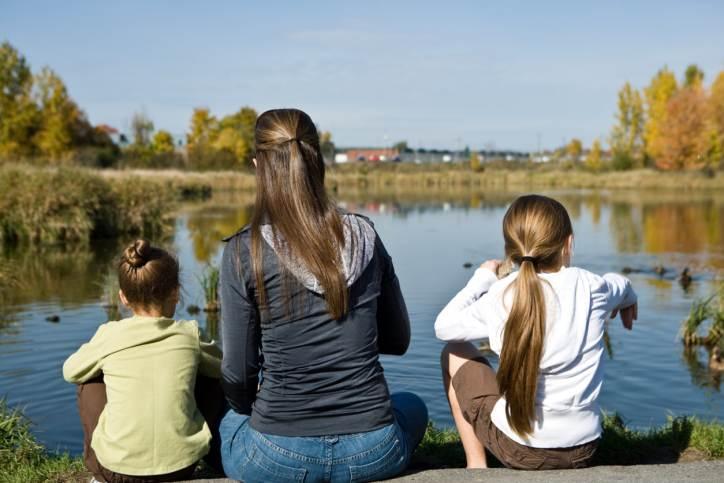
{"x": 696, "y": 359}
{"x": 69, "y": 275}
{"x": 615, "y": 229}
{"x": 214, "y": 220}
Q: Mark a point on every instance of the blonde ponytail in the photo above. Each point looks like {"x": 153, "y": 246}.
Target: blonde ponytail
{"x": 536, "y": 230}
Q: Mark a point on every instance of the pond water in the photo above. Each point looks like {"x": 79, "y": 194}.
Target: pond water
{"x": 648, "y": 375}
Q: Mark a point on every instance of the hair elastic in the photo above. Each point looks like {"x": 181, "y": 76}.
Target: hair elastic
{"x": 533, "y": 260}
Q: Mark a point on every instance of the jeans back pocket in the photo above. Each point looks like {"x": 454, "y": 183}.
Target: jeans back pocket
{"x": 389, "y": 464}
{"x": 263, "y": 468}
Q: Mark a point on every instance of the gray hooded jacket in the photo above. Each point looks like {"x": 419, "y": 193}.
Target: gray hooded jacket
{"x": 320, "y": 376}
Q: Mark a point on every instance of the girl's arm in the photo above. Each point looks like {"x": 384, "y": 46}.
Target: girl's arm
{"x": 240, "y": 334}
{"x": 393, "y": 322}
{"x": 85, "y": 363}
{"x": 619, "y": 292}
{"x": 463, "y": 318}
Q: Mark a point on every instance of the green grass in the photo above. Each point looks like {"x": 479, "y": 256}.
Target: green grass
{"x": 209, "y": 280}
{"x": 23, "y": 459}
{"x": 46, "y": 206}
{"x": 441, "y": 448}
{"x": 710, "y": 308}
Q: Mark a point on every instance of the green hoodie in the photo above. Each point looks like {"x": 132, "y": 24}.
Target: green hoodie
{"x": 150, "y": 424}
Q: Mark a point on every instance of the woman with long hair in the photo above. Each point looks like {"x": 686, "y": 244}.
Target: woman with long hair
{"x": 546, "y": 322}
{"x": 309, "y": 299}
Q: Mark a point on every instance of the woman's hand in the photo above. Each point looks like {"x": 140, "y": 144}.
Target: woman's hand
{"x": 628, "y": 315}
{"x": 491, "y": 265}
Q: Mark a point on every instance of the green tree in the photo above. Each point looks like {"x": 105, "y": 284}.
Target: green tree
{"x": 18, "y": 113}
{"x": 693, "y": 76}
{"x": 62, "y": 124}
{"x": 141, "y": 129}
{"x": 203, "y": 125}
{"x": 662, "y": 88}
{"x": 162, "y": 142}
{"x": 221, "y": 144}
{"x": 230, "y": 139}
{"x": 627, "y": 134}
{"x": 401, "y": 146}
{"x": 593, "y": 160}
{"x": 236, "y": 134}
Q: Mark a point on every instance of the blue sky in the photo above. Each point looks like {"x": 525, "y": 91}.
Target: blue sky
{"x": 437, "y": 74}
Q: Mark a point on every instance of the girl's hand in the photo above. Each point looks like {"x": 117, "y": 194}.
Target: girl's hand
{"x": 628, "y": 315}
{"x": 491, "y": 265}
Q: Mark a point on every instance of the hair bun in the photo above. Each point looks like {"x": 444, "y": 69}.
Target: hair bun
{"x": 137, "y": 253}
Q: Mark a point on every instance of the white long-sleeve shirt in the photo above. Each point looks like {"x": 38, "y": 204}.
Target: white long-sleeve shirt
{"x": 578, "y": 303}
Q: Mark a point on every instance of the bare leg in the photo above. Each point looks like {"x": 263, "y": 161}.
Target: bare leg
{"x": 453, "y": 357}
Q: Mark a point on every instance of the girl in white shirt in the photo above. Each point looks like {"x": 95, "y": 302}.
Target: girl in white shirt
{"x": 546, "y": 322}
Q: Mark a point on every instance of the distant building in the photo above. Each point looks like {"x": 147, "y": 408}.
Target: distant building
{"x": 372, "y": 155}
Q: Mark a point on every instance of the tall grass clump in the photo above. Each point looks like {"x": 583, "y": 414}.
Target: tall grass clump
{"x": 712, "y": 309}
{"x": 44, "y": 205}
{"x": 209, "y": 280}
{"x": 23, "y": 459}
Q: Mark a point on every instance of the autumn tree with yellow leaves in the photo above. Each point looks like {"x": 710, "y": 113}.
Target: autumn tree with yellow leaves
{"x": 662, "y": 88}
{"x": 715, "y": 116}
{"x": 224, "y": 143}
{"x": 683, "y": 126}
{"x": 593, "y": 160}
{"x": 38, "y": 118}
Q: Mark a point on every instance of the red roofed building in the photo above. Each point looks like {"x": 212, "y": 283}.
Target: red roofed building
{"x": 372, "y": 155}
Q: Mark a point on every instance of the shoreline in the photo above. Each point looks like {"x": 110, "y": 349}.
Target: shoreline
{"x": 440, "y": 456}
{"x": 441, "y": 178}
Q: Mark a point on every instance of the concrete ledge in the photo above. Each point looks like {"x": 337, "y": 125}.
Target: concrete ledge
{"x": 699, "y": 471}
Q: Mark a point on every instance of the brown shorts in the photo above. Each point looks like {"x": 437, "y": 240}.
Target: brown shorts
{"x": 477, "y": 392}
{"x": 92, "y": 400}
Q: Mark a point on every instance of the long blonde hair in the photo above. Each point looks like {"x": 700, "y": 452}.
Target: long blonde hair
{"x": 536, "y": 231}
{"x": 290, "y": 195}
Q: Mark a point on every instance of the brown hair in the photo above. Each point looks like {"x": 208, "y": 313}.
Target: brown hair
{"x": 147, "y": 275}
{"x": 290, "y": 195}
{"x": 536, "y": 229}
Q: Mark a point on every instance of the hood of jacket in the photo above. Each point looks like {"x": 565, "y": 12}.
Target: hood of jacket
{"x": 359, "y": 247}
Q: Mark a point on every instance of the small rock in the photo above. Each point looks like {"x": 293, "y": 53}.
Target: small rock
{"x": 193, "y": 309}
{"x": 467, "y": 265}
{"x": 53, "y": 318}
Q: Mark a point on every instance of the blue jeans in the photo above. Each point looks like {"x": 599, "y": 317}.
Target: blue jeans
{"x": 250, "y": 456}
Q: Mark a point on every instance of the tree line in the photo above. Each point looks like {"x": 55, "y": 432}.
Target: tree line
{"x": 669, "y": 124}
{"x": 41, "y": 123}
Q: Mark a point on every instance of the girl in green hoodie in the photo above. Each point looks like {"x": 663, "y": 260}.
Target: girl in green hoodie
{"x": 137, "y": 378}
